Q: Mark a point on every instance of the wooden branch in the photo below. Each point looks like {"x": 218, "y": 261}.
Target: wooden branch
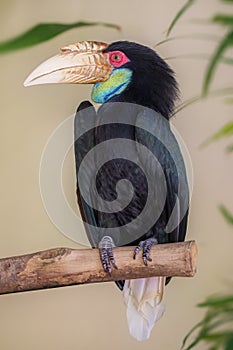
{"x": 64, "y": 267}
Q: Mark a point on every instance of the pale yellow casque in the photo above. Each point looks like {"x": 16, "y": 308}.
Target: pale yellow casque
{"x": 80, "y": 63}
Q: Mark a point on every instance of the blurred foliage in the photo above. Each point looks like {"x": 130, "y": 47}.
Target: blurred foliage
{"x": 229, "y": 148}
{"x": 226, "y": 130}
{"x": 213, "y": 93}
{"x": 179, "y": 14}
{"x": 43, "y": 32}
{"x": 216, "y": 327}
{"x": 227, "y": 215}
{"x": 224, "y": 43}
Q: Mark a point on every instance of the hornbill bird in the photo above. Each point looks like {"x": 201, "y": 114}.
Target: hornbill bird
{"x": 132, "y": 188}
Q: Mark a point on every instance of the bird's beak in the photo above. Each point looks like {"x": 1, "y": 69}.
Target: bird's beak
{"x": 80, "y": 63}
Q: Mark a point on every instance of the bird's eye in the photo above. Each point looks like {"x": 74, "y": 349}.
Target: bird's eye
{"x": 118, "y": 58}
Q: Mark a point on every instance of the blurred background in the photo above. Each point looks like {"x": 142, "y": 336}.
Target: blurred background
{"x": 93, "y": 316}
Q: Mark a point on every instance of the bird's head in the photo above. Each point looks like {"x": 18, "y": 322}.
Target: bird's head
{"x": 122, "y": 71}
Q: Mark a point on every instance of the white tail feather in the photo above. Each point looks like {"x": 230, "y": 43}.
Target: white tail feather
{"x": 143, "y": 299}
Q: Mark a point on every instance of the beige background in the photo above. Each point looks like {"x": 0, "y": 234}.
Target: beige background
{"x": 93, "y": 317}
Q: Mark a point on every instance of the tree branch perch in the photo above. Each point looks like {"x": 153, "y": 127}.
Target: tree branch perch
{"x": 64, "y": 267}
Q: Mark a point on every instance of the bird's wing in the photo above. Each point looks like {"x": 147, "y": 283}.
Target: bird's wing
{"x": 83, "y": 143}
{"x": 143, "y": 297}
{"x": 153, "y": 131}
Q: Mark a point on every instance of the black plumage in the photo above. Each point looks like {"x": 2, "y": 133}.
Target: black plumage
{"x": 146, "y": 104}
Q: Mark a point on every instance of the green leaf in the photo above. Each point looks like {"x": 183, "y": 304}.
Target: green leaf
{"x": 227, "y": 215}
{"x": 215, "y": 347}
{"x": 198, "y": 325}
{"x": 179, "y": 14}
{"x": 207, "y": 325}
{"x": 224, "y": 60}
{"x": 226, "y": 130}
{"x": 223, "y": 19}
{"x": 229, "y": 343}
{"x": 229, "y": 100}
{"x": 198, "y": 36}
{"x": 43, "y": 32}
{"x": 214, "y": 93}
{"x": 218, "y": 301}
{"x": 216, "y": 336}
{"x": 229, "y": 149}
{"x": 224, "y": 44}
{"x": 215, "y": 329}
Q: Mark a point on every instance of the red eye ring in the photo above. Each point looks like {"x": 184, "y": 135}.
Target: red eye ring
{"x": 118, "y": 58}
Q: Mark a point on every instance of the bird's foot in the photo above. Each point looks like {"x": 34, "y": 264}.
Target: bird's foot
{"x": 106, "y": 254}
{"x": 145, "y": 246}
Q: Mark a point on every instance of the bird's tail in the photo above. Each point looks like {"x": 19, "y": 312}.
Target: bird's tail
{"x": 143, "y": 299}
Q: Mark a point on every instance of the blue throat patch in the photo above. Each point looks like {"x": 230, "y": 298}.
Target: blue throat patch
{"x": 116, "y": 83}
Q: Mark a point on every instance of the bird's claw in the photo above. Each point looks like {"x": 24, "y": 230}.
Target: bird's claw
{"x": 145, "y": 246}
{"x": 106, "y": 254}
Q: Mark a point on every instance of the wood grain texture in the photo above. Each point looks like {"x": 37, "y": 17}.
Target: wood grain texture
{"x": 64, "y": 267}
